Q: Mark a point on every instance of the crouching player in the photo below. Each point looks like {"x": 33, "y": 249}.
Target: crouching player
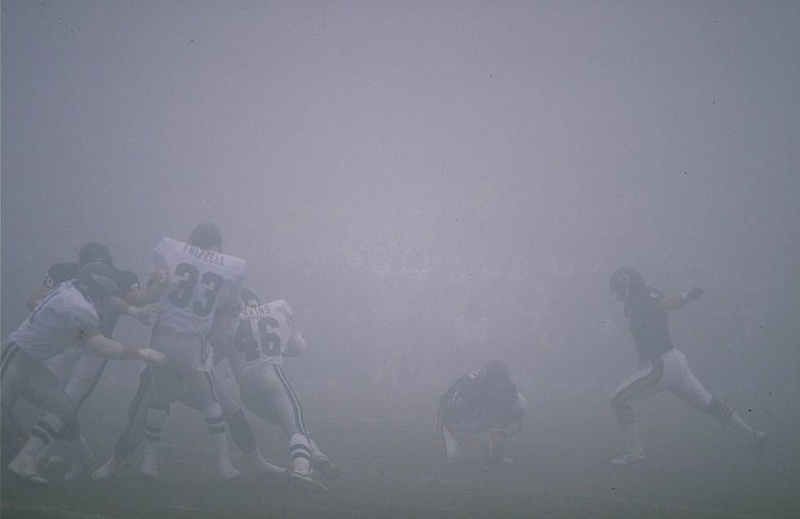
{"x": 478, "y": 414}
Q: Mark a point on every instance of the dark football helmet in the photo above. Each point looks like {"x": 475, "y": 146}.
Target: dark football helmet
{"x": 206, "y": 236}
{"x": 495, "y": 371}
{"x": 97, "y": 280}
{"x": 624, "y": 279}
{"x": 250, "y": 297}
{"x": 94, "y": 251}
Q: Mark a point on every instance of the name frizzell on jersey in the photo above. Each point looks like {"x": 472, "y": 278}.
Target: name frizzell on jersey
{"x": 209, "y": 256}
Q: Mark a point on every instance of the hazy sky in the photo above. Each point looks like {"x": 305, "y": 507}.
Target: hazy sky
{"x": 660, "y": 130}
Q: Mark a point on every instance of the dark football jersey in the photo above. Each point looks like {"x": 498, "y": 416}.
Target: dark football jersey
{"x": 476, "y": 406}
{"x": 649, "y": 324}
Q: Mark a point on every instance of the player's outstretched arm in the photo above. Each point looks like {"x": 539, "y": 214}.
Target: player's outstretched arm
{"x": 98, "y": 343}
{"x": 146, "y": 314}
{"x": 151, "y": 293}
{"x": 673, "y": 302}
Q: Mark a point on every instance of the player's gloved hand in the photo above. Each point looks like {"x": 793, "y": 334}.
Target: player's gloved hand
{"x": 157, "y": 277}
{"x": 695, "y": 293}
{"x": 692, "y": 294}
{"x": 146, "y": 314}
{"x": 151, "y": 355}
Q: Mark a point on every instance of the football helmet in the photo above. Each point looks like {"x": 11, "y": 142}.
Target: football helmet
{"x": 97, "y": 280}
{"x": 250, "y": 297}
{"x": 495, "y": 371}
{"x": 94, "y": 251}
{"x": 206, "y": 236}
{"x": 625, "y": 278}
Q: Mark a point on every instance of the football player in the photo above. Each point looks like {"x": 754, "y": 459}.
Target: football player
{"x": 662, "y": 366}
{"x": 200, "y": 283}
{"x": 256, "y": 343}
{"x": 479, "y": 412}
{"x": 135, "y": 427}
{"x": 68, "y": 315}
{"x": 77, "y": 368}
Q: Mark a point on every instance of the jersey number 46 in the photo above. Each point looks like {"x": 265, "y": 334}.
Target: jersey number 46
{"x": 264, "y": 339}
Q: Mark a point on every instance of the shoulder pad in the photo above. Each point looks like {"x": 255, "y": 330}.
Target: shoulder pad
{"x": 280, "y": 305}
{"x": 80, "y": 312}
{"x": 61, "y": 272}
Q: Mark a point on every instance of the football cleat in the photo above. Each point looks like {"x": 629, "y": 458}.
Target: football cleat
{"x": 80, "y": 469}
{"x": 628, "y": 457}
{"x": 228, "y": 472}
{"x": 149, "y": 470}
{"x": 757, "y": 447}
{"x": 22, "y": 467}
{"x": 326, "y": 466}
{"x": 304, "y": 482}
{"x": 50, "y": 463}
{"x": 107, "y": 471}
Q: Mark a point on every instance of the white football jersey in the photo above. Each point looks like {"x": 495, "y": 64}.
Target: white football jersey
{"x": 262, "y": 337}
{"x": 60, "y": 320}
{"x": 200, "y": 282}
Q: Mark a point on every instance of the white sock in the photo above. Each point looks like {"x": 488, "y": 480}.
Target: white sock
{"x": 152, "y": 440}
{"x": 631, "y": 433}
{"x": 300, "y": 454}
{"x": 453, "y": 448}
{"x": 215, "y": 422}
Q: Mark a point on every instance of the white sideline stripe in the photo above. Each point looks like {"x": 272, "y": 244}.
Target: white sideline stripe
{"x": 714, "y": 512}
{"x": 181, "y": 508}
{"x": 55, "y": 510}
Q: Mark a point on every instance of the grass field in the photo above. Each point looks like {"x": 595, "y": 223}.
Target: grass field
{"x": 391, "y": 468}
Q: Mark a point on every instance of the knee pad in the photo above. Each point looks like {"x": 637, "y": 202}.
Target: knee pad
{"x": 718, "y": 410}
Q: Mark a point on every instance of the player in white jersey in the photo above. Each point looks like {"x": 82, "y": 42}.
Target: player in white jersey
{"x": 200, "y": 283}
{"x": 257, "y": 342}
{"x": 78, "y": 369}
{"x": 67, "y": 315}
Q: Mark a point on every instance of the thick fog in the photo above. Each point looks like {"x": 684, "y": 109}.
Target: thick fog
{"x": 430, "y": 184}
